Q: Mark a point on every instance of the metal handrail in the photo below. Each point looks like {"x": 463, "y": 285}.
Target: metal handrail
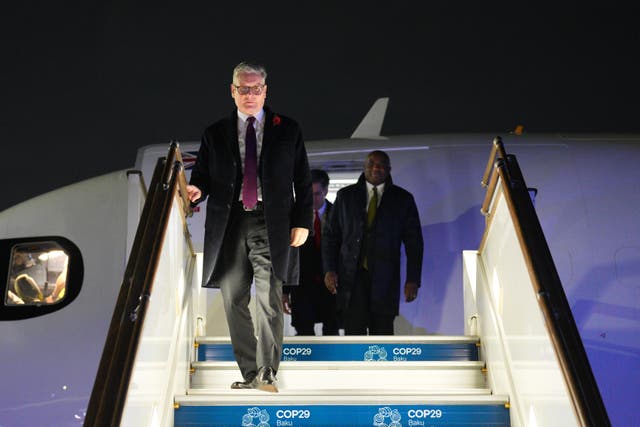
{"x": 574, "y": 364}
{"x": 109, "y": 392}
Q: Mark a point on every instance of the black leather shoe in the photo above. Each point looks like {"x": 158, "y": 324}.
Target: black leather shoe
{"x": 266, "y": 380}
{"x": 243, "y": 385}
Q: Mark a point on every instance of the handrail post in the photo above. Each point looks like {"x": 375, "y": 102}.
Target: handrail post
{"x": 498, "y": 148}
{"x": 484, "y": 209}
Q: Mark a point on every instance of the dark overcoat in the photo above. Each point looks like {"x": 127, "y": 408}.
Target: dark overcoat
{"x": 311, "y": 288}
{"x": 282, "y": 169}
{"x": 397, "y": 222}
{"x": 310, "y": 256}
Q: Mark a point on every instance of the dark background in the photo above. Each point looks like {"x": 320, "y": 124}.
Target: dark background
{"x": 85, "y": 84}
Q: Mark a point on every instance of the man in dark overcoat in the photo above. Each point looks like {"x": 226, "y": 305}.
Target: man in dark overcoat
{"x": 253, "y": 167}
{"x": 311, "y": 302}
{"x": 361, "y": 246}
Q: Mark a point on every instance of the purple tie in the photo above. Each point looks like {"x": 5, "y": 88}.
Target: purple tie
{"x": 250, "y": 182}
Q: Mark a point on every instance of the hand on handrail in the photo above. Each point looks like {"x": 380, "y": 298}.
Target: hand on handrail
{"x": 193, "y": 193}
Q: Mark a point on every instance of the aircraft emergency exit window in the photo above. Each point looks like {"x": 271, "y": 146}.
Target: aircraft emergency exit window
{"x": 37, "y": 274}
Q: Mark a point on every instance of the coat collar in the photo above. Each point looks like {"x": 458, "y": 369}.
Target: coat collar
{"x": 231, "y": 135}
{"x": 269, "y": 133}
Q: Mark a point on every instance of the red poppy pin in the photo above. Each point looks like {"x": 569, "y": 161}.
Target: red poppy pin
{"x": 276, "y": 120}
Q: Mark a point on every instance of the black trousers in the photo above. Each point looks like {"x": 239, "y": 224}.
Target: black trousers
{"x": 312, "y": 303}
{"x": 246, "y": 258}
{"x": 358, "y": 317}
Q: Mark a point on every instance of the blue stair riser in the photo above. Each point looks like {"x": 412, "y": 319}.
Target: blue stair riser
{"x": 355, "y": 352}
{"x": 342, "y": 415}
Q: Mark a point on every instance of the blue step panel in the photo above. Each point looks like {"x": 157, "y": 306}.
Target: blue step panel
{"x": 355, "y": 352}
{"x": 342, "y": 415}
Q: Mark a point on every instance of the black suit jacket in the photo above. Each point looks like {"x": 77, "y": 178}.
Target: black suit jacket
{"x": 397, "y": 222}
{"x": 283, "y": 167}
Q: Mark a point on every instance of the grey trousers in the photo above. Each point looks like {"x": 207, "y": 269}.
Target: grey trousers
{"x": 245, "y": 256}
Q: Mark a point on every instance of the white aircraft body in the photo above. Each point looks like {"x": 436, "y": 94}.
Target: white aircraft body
{"x": 587, "y": 201}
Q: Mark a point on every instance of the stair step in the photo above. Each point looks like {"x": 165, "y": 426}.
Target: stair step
{"x": 349, "y": 375}
{"x": 276, "y": 410}
{"x": 348, "y": 381}
{"x": 335, "y": 396}
{"x": 366, "y": 348}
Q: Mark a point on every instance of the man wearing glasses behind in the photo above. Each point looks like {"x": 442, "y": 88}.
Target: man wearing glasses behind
{"x": 253, "y": 166}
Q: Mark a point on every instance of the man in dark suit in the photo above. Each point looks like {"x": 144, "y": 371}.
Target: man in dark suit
{"x": 250, "y": 164}
{"x": 311, "y": 302}
{"x": 361, "y": 249}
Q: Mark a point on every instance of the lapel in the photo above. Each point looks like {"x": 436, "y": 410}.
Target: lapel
{"x": 383, "y": 197}
{"x": 325, "y": 215}
{"x": 231, "y": 137}
{"x": 268, "y": 137}
{"x": 388, "y": 189}
{"x": 361, "y": 196}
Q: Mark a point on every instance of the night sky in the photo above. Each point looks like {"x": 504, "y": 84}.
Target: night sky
{"x": 85, "y": 84}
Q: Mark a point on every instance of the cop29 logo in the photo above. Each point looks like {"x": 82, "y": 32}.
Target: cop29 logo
{"x": 294, "y": 353}
{"x": 375, "y": 353}
{"x": 380, "y": 419}
{"x": 255, "y": 417}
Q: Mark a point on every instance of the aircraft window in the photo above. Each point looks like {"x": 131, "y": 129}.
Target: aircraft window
{"x": 37, "y": 274}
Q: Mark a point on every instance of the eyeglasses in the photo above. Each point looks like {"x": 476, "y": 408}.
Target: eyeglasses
{"x": 244, "y": 90}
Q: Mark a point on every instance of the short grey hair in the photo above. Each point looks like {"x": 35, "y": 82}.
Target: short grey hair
{"x": 249, "y": 68}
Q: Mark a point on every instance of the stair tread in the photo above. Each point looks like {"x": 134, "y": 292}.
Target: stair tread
{"x": 346, "y": 392}
{"x": 351, "y": 365}
{"x": 357, "y": 339}
{"x": 355, "y": 376}
{"x": 317, "y": 397}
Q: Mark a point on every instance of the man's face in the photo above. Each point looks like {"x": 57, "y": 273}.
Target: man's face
{"x": 376, "y": 169}
{"x": 20, "y": 259}
{"x": 319, "y": 194}
{"x": 250, "y": 103}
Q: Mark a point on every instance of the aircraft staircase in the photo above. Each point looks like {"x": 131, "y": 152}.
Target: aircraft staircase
{"x": 347, "y": 381}
{"x": 522, "y": 362}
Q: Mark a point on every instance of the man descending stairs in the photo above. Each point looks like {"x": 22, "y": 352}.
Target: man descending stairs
{"x": 348, "y": 381}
